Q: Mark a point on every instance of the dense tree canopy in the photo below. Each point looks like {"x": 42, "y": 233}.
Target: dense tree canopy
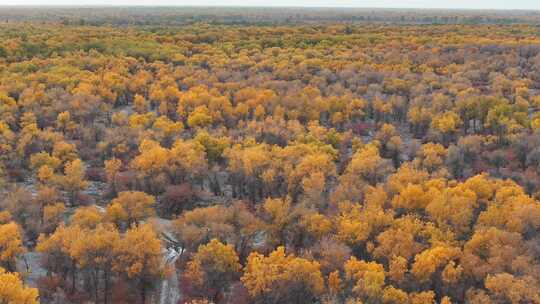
{"x": 275, "y": 161}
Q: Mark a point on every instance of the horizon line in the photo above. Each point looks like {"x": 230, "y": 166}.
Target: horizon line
{"x": 262, "y": 6}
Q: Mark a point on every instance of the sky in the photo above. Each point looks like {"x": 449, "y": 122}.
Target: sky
{"x": 453, "y": 4}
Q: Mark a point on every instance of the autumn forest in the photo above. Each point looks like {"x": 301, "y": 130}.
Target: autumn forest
{"x": 269, "y": 156}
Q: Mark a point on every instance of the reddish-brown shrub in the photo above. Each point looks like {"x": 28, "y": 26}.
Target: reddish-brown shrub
{"x": 177, "y": 198}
